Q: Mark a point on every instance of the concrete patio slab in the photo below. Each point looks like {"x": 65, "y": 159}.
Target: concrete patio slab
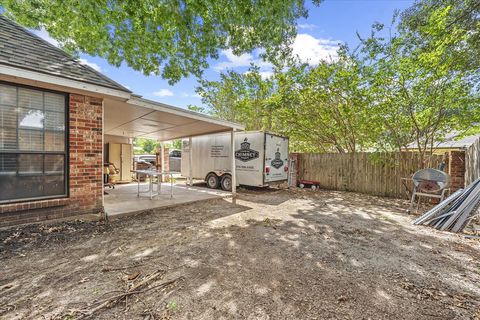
{"x": 123, "y": 199}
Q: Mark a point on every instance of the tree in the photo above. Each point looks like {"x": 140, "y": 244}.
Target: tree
{"x": 418, "y": 87}
{"x": 173, "y": 38}
{"x": 240, "y": 97}
{"x": 322, "y": 108}
{"x": 147, "y": 146}
{"x": 327, "y": 107}
{"x": 462, "y": 21}
{"x": 198, "y": 109}
{"x": 176, "y": 144}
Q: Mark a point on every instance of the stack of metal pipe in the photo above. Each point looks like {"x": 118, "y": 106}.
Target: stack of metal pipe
{"x": 455, "y": 212}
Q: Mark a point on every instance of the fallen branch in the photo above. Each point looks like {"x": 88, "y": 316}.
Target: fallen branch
{"x": 108, "y": 269}
{"x": 135, "y": 289}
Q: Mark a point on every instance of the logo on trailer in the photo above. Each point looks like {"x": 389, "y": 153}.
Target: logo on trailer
{"x": 245, "y": 153}
{"x": 277, "y": 162}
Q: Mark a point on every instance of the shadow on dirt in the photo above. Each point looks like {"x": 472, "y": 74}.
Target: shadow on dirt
{"x": 323, "y": 255}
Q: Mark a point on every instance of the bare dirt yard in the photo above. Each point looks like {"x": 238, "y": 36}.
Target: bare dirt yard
{"x": 275, "y": 255}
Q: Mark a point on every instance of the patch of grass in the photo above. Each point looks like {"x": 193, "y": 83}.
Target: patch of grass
{"x": 172, "y": 305}
{"x": 389, "y": 219}
{"x": 271, "y": 222}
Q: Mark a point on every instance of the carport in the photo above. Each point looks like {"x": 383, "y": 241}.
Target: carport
{"x": 142, "y": 118}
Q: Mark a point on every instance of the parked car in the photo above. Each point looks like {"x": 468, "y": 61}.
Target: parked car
{"x": 175, "y": 154}
{"x": 151, "y": 158}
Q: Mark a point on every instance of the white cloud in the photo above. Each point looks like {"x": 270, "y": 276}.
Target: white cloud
{"x": 308, "y": 48}
{"x": 263, "y": 74}
{"x": 193, "y": 95}
{"x": 266, "y": 74}
{"x": 244, "y": 60}
{"x": 42, "y": 33}
{"x": 234, "y": 61}
{"x": 312, "y": 50}
{"x": 92, "y": 65}
{"x": 163, "y": 93}
{"x": 307, "y": 26}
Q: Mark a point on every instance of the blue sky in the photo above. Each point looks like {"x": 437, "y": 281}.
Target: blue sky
{"x": 332, "y": 22}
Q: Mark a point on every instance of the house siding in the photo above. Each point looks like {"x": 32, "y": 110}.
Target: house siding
{"x": 85, "y": 170}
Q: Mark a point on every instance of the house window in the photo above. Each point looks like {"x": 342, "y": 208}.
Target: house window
{"x": 33, "y": 144}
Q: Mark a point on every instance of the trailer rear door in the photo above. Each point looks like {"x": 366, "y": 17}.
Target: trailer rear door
{"x": 276, "y": 158}
{"x": 249, "y": 158}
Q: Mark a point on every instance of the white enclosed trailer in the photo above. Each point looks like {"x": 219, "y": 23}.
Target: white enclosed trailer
{"x": 261, "y": 159}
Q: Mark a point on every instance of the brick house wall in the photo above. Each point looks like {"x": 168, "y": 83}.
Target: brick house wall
{"x": 85, "y": 170}
{"x": 456, "y": 169}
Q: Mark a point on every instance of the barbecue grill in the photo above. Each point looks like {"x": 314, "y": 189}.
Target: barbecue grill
{"x": 430, "y": 183}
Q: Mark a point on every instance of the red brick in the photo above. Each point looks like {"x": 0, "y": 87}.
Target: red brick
{"x": 86, "y": 174}
{"x": 456, "y": 169}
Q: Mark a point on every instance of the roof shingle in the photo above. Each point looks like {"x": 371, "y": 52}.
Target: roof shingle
{"x": 22, "y": 49}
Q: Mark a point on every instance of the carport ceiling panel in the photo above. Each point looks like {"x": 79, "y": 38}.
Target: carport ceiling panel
{"x": 198, "y": 127}
{"x": 169, "y": 118}
{"x": 171, "y": 134}
{"x": 117, "y": 114}
{"x": 191, "y": 129}
{"x": 144, "y": 125}
{"x": 161, "y": 135}
{"x": 126, "y": 133}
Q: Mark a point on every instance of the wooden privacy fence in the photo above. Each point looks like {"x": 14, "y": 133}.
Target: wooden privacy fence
{"x": 371, "y": 173}
{"x": 472, "y": 162}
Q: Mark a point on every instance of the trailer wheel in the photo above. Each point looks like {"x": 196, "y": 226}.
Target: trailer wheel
{"x": 212, "y": 180}
{"x": 226, "y": 182}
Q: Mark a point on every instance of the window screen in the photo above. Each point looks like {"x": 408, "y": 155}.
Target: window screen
{"x": 33, "y": 153}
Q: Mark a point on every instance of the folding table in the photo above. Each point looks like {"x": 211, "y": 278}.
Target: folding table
{"x": 154, "y": 178}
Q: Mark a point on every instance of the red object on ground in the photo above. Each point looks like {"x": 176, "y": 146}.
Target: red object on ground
{"x": 308, "y": 182}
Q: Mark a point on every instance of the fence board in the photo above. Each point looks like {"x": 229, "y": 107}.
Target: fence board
{"x": 376, "y": 174}
{"x": 472, "y": 162}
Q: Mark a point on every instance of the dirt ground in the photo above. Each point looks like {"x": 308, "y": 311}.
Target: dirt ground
{"x": 275, "y": 255}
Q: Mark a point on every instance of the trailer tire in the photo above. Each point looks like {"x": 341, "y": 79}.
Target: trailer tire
{"x": 226, "y": 182}
{"x": 212, "y": 180}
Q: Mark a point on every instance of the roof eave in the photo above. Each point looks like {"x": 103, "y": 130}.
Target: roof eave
{"x": 23, "y": 73}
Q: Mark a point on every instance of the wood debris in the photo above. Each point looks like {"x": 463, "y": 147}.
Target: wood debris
{"x": 454, "y": 213}
{"x": 141, "y": 286}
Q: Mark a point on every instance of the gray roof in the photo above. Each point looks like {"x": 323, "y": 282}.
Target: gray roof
{"x": 22, "y": 49}
{"x": 453, "y": 140}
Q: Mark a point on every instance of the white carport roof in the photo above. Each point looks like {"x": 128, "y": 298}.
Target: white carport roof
{"x": 141, "y": 118}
